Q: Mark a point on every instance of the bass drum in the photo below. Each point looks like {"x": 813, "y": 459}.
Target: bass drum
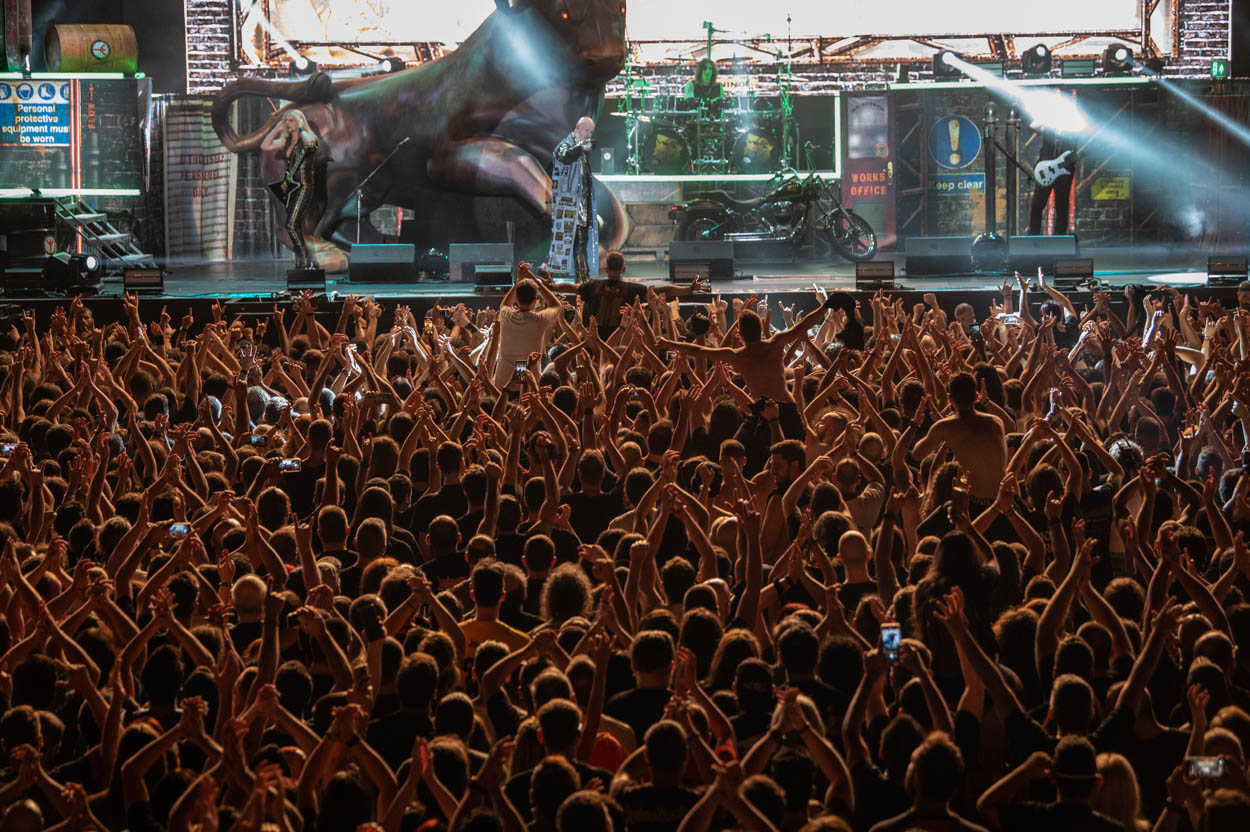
{"x": 756, "y": 150}
{"x": 665, "y": 152}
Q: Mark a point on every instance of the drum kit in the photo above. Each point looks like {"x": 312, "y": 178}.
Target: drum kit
{"x": 669, "y": 135}
{"x": 734, "y": 134}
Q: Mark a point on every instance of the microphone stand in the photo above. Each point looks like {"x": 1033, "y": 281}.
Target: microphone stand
{"x": 359, "y": 188}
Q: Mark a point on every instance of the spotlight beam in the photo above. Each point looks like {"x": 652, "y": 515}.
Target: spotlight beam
{"x": 1239, "y": 131}
{"x": 1047, "y": 108}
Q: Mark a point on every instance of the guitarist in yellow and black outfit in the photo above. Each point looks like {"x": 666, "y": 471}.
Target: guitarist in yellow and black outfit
{"x": 298, "y": 144}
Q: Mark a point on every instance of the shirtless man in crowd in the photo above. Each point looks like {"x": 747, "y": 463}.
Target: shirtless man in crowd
{"x": 761, "y": 363}
{"x": 977, "y": 439}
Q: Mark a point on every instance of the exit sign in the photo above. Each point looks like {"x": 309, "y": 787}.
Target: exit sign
{"x": 1219, "y": 68}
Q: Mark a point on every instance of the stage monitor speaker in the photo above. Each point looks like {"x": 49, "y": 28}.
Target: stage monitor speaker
{"x": 875, "y": 274}
{"x": 713, "y": 259}
{"x": 297, "y": 280}
{"x": 1226, "y": 271}
{"x": 1070, "y": 273}
{"x": 465, "y": 257}
{"x": 383, "y": 263}
{"x": 19, "y": 281}
{"x": 144, "y": 281}
{"x": 491, "y": 277}
{"x": 1028, "y": 254}
{"x": 938, "y": 255}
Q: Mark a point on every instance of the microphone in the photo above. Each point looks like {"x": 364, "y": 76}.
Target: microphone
{"x": 404, "y": 141}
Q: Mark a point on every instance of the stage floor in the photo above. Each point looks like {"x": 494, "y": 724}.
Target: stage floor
{"x": 253, "y": 279}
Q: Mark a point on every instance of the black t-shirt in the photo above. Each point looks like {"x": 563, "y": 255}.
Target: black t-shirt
{"x": 516, "y": 617}
{"x": 518, "y": 788}
{"x": 446, "y": 571}
{"x": 850, "y": 594}
{"x": 748, "y": 725}
{"x": 403, "y": 546}
{"x": 345, "y": 557}
{"x": 1153, "y": 761}
{"x": 534, "y": 594}
{"x": 468, "y": 523}
{"x": 449, "y": 500}
{"x": 1046, "y": 817}
{"x": 876, "y": 796}
{"x": 650, "y": 808}
{"x": 509, "y": 547}
{"x": 1025, "y": 735}
{"x": 244, "y": 633}
{"x": 300, "y": 485}
{"x": 392, "y": 736}
{"x": 639, "y": 708}
{"x": 590, "y": 514}
{"x": 604, "y": 298}
{"x": 830, "y": 703}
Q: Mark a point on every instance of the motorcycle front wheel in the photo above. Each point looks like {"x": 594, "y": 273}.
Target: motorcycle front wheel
{"x": 851, "y": 235}
{"x": 700, "y": 227}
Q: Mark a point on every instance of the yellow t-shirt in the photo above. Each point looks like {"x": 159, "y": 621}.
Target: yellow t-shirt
{"x": 476, "y": 632}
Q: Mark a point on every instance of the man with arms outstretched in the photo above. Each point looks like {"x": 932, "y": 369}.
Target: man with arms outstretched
{"x": 761, "y": 362}
{"x": 977, "y": 439}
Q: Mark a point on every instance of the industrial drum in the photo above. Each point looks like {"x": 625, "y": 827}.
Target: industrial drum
{"x": 91, "y": 47}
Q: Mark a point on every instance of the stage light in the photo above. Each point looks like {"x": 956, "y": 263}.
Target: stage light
{"x": 990, "y": 253}
{"x": 391, "y": 64}
{"x": 1117, "y": 60}
{"x": 946, "y": 64}
{"x": 70, "y": 272}
{"x": 1036, "y": 60}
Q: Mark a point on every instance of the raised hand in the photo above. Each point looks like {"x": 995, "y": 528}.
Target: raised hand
{"x": 949, "y": 610}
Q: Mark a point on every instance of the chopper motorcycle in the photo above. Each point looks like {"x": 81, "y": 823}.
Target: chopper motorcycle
{"x": 804, "y": 211}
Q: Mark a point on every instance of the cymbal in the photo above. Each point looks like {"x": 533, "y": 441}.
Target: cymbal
{"x": 646, "y": 119}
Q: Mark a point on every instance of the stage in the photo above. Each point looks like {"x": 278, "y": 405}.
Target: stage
{"x": 250, "y": 287}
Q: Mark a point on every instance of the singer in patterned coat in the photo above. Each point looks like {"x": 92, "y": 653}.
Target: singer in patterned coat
{"x": 574, "y": 223}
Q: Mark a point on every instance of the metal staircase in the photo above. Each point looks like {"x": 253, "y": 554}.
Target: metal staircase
{"x": 117, "y": 250}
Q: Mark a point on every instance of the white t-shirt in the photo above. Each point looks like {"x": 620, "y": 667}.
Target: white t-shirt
{"x": 521, "y": 333}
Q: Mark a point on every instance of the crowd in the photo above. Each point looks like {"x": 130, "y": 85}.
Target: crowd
{"x": 606, "y": 559}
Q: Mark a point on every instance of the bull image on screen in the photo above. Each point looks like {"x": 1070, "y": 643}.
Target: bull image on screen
{"x": 483, "y": 122}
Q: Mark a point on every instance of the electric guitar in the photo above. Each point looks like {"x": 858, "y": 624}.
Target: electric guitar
{"x": 1049, "y": 170}
{"x": 283, "y": 189}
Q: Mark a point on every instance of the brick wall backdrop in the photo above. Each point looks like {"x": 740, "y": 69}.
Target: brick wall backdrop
{"x": 1204, "y": 28}
{"x": 210, "y": 44}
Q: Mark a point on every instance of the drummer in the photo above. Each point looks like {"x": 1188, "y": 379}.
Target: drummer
{"x": 704, "y": 87}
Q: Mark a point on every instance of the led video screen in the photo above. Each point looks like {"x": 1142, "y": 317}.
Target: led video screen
{"x": 70, "y": 133}
{"x": 436, "y": 21}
